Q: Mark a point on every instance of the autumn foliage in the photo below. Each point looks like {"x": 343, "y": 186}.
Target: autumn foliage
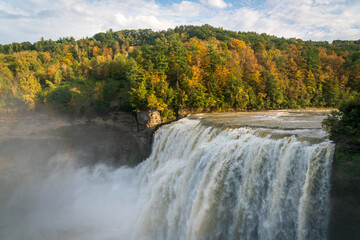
{"x": 187, "y": 67}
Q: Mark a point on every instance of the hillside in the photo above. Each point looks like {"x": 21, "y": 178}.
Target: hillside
{"x": 190, "y": 67}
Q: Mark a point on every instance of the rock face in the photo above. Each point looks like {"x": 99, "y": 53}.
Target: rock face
{"x": 131, "y": 134}
{"x": 147, "y": 123}
{"x": 120, "y": 138}
{"x": 139, "y": 127}
{"x": 148, "y": 120}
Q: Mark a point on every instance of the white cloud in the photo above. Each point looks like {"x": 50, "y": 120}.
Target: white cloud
{"x": 187, "y": 9}
{"x": 327, "y": 20}
{"x": 215, "y": 3}
{"x": 29, "y": 20}
{"x": 318, "y": 21}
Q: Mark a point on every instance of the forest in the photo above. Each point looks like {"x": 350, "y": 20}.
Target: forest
{"x": 199, "y": 68}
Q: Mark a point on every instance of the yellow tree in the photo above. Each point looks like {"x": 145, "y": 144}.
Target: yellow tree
{"x": 238, "y": 49}
{"x": 99, "y": 91}
{"x": 6, "y": 80}
{"x": 30, "y": 87}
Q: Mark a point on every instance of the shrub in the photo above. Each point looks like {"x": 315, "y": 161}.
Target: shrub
{"x": 346, "y": 120}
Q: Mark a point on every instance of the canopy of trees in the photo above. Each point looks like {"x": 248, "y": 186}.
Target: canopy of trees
{"x": 187, "y": 67}
{"x": 346, "y": 121}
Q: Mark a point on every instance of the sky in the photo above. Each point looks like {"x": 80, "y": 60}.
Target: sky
{"x": 318, "y": 20}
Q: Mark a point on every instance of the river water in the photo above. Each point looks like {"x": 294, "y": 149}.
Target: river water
{"x": 210, "y": 176}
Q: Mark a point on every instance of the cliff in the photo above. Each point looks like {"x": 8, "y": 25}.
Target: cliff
{"x": 119, "y": 138}
{"x": 147, "y": 123}
{"x": 345, "y": 192}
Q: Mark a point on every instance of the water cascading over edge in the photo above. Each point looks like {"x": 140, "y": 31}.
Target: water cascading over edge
{"x": 203, "y": 182}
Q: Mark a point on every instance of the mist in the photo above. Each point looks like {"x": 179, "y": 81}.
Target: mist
{"x": 66, "y": 179}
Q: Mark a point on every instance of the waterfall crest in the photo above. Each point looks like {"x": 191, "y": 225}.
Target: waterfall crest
{"x": 202, "y": 182}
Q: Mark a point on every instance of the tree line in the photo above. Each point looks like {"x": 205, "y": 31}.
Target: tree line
{"x": 191, "y": 67}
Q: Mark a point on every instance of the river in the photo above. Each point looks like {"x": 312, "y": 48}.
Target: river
{"x": 249, "y": 176}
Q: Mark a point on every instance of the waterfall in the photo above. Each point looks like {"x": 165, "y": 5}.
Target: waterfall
{"x": 204, "y": 182}
{"x": 200, "y": 182}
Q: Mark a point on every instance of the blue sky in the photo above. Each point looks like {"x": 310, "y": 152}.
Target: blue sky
{"x": 29, "y": 20}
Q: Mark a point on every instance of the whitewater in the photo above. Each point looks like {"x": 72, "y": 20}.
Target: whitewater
{"x": 201, "y": 181}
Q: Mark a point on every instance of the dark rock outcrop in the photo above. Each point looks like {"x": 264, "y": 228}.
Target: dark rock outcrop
{"x": 147, "y": 123}
{"x": 345, "y": 191}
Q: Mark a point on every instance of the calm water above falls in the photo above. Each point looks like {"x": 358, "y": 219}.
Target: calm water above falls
{"x": 208, "y": 178}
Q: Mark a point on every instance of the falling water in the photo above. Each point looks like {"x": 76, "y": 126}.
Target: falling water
{"x": 200, "y": 182}
{"x": 205, "y": 183}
